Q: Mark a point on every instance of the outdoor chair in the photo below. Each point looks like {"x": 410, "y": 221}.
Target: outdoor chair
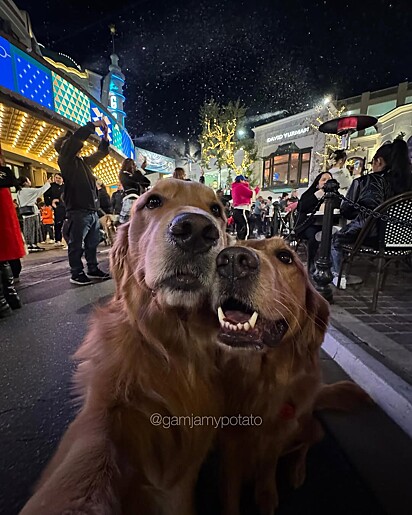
{"x": 394, "y": 241}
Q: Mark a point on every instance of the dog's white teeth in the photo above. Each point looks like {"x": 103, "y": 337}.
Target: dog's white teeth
{"x": 227, "y": 325}
{"x": 220, "y": 314}
{"x": 240, "y": 326}
{"x": 252, "y": 319}
{"x": 233, "y": 327}
{"x": 246, "y": 326}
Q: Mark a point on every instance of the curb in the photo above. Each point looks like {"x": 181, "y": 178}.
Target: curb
{"x": 388, "y": 390}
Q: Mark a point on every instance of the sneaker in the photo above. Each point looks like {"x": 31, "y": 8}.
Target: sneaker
{"x": 98, "y": 274}
{"x": 342, "y": 282}
{"x": 81, "y": 280}
{"x": 58, "y": 244}
{"x": 65, "y": 247}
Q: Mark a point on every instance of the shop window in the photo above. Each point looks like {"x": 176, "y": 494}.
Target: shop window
{"x": 287, "y": 170}
{"x": 381, "y": 108}
{"x": 408, "y": 100}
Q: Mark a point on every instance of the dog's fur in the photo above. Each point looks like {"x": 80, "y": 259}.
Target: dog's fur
{"x": 261, "y": 382}
{"x": 150, "y": 350}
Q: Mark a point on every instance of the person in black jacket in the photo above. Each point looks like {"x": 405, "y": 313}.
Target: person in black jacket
{"x": 132, "y": 178}
{"x": 306, "y": 205}
{"x": 55, "y": 190}
{"x": 105, "y": 205}
{"x": 81, "y": 200}
{"x": 117, "y": 199}
{"x": 391, "y": 175}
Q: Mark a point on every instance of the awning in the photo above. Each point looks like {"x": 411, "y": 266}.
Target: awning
{"x": 31, "y": 138}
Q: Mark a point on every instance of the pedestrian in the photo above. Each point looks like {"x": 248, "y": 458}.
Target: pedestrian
{"x": 242, "y": 195}
{"x": 179, "y": 173}
{"x": 47, "y": 220}
{"x": 59, "y": 217}
{"x": 132, "y": 176}
{"x": 81, "y": 200}
{"x": 339, "y": 171}
{"x": 27, "y": 198}
{"x": 116, "y": 201}
{"x": 11, "y": 241}
{"x": 55, "y": 191}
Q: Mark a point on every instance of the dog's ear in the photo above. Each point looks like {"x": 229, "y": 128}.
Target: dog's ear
{"x": 317, "y": 317}
{"x": 119, "y": 264}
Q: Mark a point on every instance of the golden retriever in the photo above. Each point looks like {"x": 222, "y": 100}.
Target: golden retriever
{"x": 272, "y": 326}
{"x": 151, "y": 350}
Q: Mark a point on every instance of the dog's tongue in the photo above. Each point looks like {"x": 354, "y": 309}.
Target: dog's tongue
{"x": 236, "y": 317}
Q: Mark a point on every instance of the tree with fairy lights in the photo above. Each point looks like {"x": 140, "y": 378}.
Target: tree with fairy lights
{"x": 219, "y": 140}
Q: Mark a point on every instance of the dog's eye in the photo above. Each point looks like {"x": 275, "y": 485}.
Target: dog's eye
{"x": 285, "y": 256}
{"x": 153, "y": 202}
{"x": 215, "y": 209}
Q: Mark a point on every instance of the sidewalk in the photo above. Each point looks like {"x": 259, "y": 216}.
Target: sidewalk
{"x": 375, "y": 349}
{"x": 386, "y": 334}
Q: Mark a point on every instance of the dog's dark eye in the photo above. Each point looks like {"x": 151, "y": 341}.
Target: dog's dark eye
{"x": 285, "y": 256}
{"x": 153, "y": 202}
{"x": 215, "y": 209}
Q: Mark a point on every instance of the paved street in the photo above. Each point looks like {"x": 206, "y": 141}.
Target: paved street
{"x": 363, "y": 467}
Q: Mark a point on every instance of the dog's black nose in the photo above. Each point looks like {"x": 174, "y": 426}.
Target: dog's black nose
{"x": 237, "y": 263}
{"x": 193, "y": 232}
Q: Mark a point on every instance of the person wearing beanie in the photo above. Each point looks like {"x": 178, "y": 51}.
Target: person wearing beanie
{"x": 242, "y": 195}
{"x": 81, "y": 200}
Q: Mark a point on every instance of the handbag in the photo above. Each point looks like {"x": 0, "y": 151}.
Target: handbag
{"x": 26, "y": 210}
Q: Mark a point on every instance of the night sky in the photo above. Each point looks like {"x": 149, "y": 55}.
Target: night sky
{"x": 275, "y": 55}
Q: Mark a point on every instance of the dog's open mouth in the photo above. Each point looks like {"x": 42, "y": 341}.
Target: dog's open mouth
{"x": 241, "y": 326}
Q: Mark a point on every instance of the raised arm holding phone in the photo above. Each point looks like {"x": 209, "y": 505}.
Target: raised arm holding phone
{"x": 81, "y": 200}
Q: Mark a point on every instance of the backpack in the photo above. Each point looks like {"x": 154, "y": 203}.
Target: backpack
{"x": 127, "y": 204}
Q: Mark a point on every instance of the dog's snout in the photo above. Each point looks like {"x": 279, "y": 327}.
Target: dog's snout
{"x": 193, "y": 232}
{"x": 237, "y": 263}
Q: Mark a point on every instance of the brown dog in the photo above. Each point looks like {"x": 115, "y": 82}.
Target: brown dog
{"x": 272, "y": 326}
{"x": 151, "y": 350}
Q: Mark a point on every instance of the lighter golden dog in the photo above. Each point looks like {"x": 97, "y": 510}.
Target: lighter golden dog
{"x": 272, "y": 326}
{"x": 151, "y": 350}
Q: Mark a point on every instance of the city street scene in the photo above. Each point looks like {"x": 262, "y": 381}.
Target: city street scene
{"x": 205, "y": 257}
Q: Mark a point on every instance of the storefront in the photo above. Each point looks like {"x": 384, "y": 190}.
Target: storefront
{"x": 290, "y": 151}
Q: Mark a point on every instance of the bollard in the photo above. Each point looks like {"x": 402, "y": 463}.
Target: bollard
{"x": 322, "y": 276}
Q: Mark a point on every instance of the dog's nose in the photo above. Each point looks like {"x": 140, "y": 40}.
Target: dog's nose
{"x": 237, "y": 263}
{"x": 193, "y": 232}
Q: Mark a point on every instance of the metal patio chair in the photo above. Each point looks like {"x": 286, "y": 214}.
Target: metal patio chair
{"x": 394, "y": 240}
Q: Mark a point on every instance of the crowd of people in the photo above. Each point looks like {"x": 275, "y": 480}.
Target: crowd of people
{"x": 73, "y": 208}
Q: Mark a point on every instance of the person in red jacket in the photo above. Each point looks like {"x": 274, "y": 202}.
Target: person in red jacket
{"x": 242, "y": 196}
{"x": 11, "y": 241}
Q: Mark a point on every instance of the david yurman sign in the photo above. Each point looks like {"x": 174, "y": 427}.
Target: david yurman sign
{"x": 287, "y": 135}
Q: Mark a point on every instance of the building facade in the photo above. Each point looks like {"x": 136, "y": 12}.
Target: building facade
{"x": 289, "y": 151}
{"x": 393, "y": 108}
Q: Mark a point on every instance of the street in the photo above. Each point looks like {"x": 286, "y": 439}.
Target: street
{"x": 36, "y": 345}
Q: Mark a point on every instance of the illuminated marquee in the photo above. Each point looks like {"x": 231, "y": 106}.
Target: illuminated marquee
{"x": 286, "y": 135}
{"x": 26, "y": 76}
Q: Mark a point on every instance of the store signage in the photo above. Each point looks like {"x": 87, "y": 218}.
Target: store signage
{"x": 287, "y": 135}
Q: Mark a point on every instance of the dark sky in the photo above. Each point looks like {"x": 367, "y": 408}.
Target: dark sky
{"x": 275, "y": 55}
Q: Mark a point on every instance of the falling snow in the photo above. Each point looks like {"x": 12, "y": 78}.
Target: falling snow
{"x": 277, "y": 56}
